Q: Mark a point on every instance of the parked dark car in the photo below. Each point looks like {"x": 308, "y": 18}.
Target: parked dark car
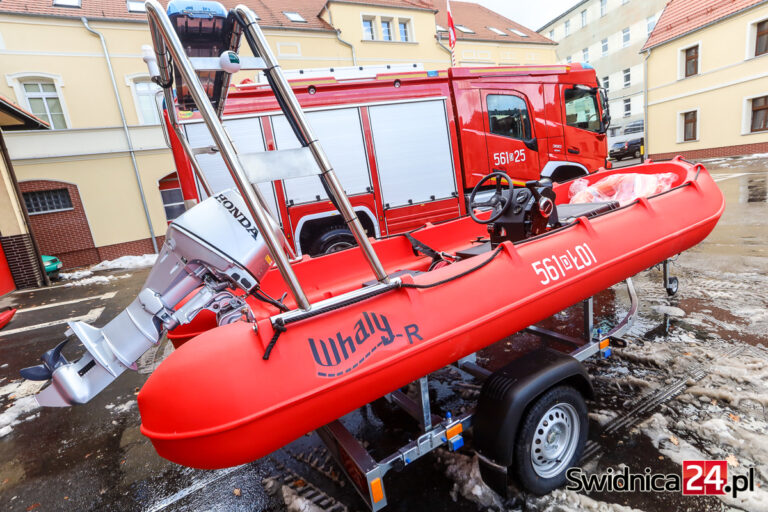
{"x": 626, "y": 149}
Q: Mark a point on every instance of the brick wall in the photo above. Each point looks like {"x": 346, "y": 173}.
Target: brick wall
{"x": 65, "y": 234}
{"x": 699, "y": 154}
{"x": 22, "y": 261}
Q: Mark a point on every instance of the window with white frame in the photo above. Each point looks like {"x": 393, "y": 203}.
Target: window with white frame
{"x": 585, "y": 55}
{"x": 627, "y": 107}
{"x": 386, "y": 29}
{"x": 369, "y": 29}
{"x": 604, "y": 46}
{"x": 67, "y": 3}
{"x": 603, "y": 7}
{"x": 464, "y": 29}
{"x": 758, "y": 114}
{"x": 552, "y": 34}
{"x": 497, "y": 31}
{"x": 42, "y": 96}
{"x": 518, "y": 32}
{"x": 404, "y": 28}
{"x": 688, "y": 126}
{"x": 144, "y": 91}
{"x": 627, "y": 77}
{"x": 757, "y": 44}
{"x": 441, "y": 28}
{"x": 583, "y": 18}
{"x": 688, "y": 60}
{"x": 606, "y": 83}
{"x": 650, "y": 23}
{"x": 625, "y": 36}
{"x": 567, "y": 27}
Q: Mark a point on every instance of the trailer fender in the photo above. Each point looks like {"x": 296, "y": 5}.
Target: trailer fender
{"x": 504, "y": 399}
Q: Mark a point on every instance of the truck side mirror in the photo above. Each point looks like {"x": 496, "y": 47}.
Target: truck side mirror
{"x": 532, "y": 144}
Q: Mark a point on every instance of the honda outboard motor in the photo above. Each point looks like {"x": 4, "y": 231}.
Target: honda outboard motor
{"x": 211, "y": 248}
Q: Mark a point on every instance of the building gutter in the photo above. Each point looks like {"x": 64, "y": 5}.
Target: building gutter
{"x": 645, "y": 102}
{"x": 131, "y": 150}
{"x": 338, "y": 35}
{"x": 439, "y": 38}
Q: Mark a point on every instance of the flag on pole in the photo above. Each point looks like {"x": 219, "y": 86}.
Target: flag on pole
{"x": 451, "y": 34}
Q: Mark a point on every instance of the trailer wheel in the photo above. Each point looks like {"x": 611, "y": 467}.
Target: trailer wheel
{"x": 551, "y": 439}
{"x": 672, "y": 286}
{"x": 333, "y": 239}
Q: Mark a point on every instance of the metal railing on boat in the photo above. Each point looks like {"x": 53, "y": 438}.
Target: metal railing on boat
{"x": 247, "y": 170}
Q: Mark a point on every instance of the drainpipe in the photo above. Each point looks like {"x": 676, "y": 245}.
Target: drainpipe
{"x": 439, "y": 38}
{"x": 131, "y": 151}
{"x": 645, "y": 104}
{"x": 338, "y": 36}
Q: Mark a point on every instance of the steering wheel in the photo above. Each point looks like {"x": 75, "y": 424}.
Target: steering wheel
{"x": 497, "y": 201}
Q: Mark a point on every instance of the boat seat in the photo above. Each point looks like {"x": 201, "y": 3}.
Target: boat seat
{"x": 568, "y": 212}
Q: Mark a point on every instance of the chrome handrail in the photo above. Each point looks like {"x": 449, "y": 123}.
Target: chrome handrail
{"x": 166, "y": 43}
{"x": 298, "y": 121}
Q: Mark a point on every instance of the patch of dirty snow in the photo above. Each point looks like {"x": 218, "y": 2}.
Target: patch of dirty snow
{"x": 295, "y": 503}
{"x": 126, "y": 262}
{"x": 21, "y": 410}
{"x": 21, "y": 388}
{"x": 746, "y": 451}
{"x": 97, "y": 280}
{"x": 562, "y": 500}
{"x": 465, "y": 474}
{"x": 77, "y": 274}
{"x": 119, "y": 409}
{"x": 603, "y": 416}
{"x": 670, "y": 310}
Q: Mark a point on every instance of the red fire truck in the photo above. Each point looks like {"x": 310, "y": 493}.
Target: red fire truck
{"x": 408, "y": 147}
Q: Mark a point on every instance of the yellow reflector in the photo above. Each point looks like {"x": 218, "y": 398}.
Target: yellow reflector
{"x": 454, "y": 431}
{"x": 604, "y": 343}
{"x": 377, "y": 493}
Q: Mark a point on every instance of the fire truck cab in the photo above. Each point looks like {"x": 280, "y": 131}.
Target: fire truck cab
{"x": 408, "y": 147}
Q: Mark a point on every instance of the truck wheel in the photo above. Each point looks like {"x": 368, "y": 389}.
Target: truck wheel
{"x": 637, "y": 153}
{"x": 333, "y": 239}
{"x": 551, "y": 439}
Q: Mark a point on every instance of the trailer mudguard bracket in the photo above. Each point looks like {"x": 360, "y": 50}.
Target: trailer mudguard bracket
{"x": 507, "y": 393}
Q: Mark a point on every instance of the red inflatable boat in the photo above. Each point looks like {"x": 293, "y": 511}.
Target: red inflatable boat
{"x": 6, "y": 315}
{"x": 216, "y": 401}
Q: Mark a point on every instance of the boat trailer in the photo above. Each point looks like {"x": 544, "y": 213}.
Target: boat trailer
{"x": 447, "y": 431}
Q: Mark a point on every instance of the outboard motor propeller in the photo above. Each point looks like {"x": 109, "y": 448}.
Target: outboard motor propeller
{"x": 211, "y": 249}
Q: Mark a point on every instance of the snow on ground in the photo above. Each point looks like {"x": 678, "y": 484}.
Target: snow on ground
{"x": 22, "y": 406}
{"x": 20, "y": 410}
{"x": 562, "y": 500}
{"x": 126, "y": 262}
{"x": 85, "y": 277}
{"x": 97, "y": 280}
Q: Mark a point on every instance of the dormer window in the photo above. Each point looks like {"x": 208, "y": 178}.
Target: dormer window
{"x": 497, "y": 31}
{"x": 67, "y": 3}
{"x": 294, "y": 17}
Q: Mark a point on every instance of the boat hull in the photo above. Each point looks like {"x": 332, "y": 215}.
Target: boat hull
{"x": 215, "y": 402}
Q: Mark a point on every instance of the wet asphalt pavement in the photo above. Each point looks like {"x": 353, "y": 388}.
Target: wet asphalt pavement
{"x": 691, "y": 383}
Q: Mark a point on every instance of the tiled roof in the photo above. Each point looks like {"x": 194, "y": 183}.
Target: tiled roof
{"x": 477, "y": 18}
{"x": 681, "y": 17}
{"x": 270, "y": 12}
{"x": 13, "y": 116}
